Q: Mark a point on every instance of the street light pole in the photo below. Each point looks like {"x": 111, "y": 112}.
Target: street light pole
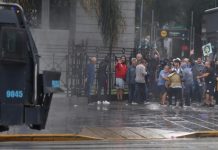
{"x": 141, "y": 22}
{"x": 152, "y": 28}
{"x": 192, "y": 32}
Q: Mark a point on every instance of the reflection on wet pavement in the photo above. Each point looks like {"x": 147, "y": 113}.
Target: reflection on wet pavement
{"x": 71, "y": 115}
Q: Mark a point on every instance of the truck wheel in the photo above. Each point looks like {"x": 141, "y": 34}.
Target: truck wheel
{"x": 35, "y": 127}
{"x": 3, "y": 128}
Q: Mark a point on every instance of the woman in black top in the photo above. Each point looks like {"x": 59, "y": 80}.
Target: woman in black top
{"x": 209, "y": 77}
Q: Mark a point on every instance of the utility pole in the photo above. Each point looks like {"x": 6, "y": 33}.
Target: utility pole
{"x": 152, "y": 28}
{"x": 141, "y": 23}
{"x": 192, "y": 32}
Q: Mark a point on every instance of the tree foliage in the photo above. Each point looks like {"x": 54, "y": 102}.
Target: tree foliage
{"x": 109, "y": 16}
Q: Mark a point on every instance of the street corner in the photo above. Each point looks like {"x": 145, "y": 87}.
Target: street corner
{"x": 131, "y": 133}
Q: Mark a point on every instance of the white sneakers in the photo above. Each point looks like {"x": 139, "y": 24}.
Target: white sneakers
{"x": 104, "y": 102}
{"x": 134, "y": 103}
{"x": 147, "y": 103}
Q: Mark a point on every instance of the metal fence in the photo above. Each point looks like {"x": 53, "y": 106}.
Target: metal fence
{"x": 78, "y": 61}
{"x": 73, "y": 61}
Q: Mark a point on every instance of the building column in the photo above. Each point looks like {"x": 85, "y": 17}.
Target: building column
{"x": 45, "y": 14}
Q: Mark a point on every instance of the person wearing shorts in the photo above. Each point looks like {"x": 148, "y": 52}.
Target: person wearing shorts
{"x": 209, "y": 77}
{"x": 161, "y": 84}
{"x": 121, "y": 70}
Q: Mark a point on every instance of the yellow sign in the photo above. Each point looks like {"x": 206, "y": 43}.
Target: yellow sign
{"x": 163, "y": 33}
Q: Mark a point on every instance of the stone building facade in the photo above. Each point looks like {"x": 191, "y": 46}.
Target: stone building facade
{"x": 85, "y": 27}
{"x": 72, "y": 25}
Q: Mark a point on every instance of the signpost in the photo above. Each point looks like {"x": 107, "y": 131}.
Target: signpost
{"x": 178, "y": 36}
{"x": 174, "y": 33}
{"x": 163, "y": 33}
{"x": 207, "y": 49}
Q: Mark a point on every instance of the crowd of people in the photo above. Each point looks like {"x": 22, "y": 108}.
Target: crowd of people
{"x": 188, "y": 81}
{"x": 179, "y": 82}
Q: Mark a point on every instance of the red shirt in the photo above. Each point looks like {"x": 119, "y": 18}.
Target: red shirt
{"x": 121, "y": 70}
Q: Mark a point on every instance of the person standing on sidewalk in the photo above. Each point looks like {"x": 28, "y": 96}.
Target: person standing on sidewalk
{"x": 140, "y": 82}
{"x": 175, "y": 84}
{"x": 161, "y": 84}
{"x": 90, "y": 76}
{"x": 120, "y": 73}
{"x": 102, "y": 81}
{"x": 209, "y": 77}
{"x": 188, "y": 82}
{"x": 139, "y": 57}
{"x": 216, "y": 86}
{"x": 197, "y": 69}
{"x": 130, "y": 79}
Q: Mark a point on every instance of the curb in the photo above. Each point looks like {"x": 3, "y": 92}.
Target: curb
{"x": 45, "y": 137}
{"x": 76, "y": 137}
{"x": 200, "y": 134}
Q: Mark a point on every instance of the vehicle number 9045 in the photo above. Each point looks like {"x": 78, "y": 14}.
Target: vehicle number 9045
{"x": 14, "y": 94}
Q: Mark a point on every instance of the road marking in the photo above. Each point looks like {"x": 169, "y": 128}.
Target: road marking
{"x": 196, "y": 124}
{"x": 177, "y": 124}
{"x": 214, "y": 119}
{"x": 203, "y": 120}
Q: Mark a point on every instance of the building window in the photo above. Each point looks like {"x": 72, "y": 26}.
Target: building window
{"x": 59, "y": 14}
{"x": 32, "y": 10}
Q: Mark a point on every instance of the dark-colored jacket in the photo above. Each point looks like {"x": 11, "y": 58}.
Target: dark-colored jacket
{"x": 102, "y": 71}
{"x": 131, "y": 74}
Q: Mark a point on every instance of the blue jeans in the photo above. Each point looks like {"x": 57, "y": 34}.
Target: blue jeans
{"x": 197, "y": 92}
{"x": 187, "y": 94}
{"x": 131, "y": 93}
{"x": 89, "y": 86}
{"x": 146, "y": 93}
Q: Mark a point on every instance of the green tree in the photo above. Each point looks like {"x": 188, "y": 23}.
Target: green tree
{"x": 109, "y": 16}
{"x": 110, "y": 21}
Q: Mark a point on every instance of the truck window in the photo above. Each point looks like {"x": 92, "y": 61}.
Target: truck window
{"x": 14, "y": 44}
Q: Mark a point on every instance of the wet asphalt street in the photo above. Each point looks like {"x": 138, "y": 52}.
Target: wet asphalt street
{"x": 187, "y": 144}
{"x": 71, "y": 115}
{"x": 74, "y": 115}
